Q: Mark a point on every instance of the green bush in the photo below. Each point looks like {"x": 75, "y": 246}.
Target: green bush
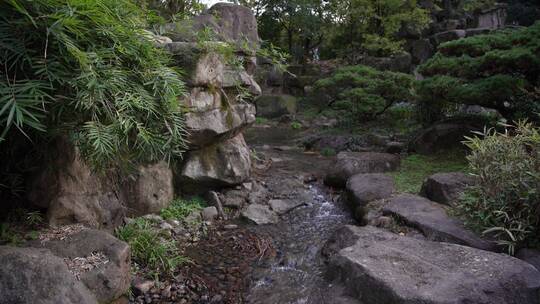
{"x": 88, "y": 70}
{"x": 149, "y": 249}
{"x": 505, "y": 203}
{"x": 364, "y": 92}
{"x": 500, "y": 70}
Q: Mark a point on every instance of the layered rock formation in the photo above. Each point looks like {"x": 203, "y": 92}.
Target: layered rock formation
{"x": 218, "y": 107}
{"x": 220, "y": 85}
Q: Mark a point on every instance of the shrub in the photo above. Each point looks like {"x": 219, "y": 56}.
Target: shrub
{"x": 87, "y": 69}
{"x": 500, "y": 70}
{"x": 149, "y": 249}
{"x": 364, "y": 92}
{"x": 505, "y": 202}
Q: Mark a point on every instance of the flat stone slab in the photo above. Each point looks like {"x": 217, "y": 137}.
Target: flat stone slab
{"x": 283, "y": 206}
{"x": 431, "y": 218}
{"x": 260, "y": 214}
{"x": 377, "y": 266}
{"x": 365, "y": 188}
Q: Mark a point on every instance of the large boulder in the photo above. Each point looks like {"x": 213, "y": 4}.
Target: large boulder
{"x": 208, "y": 127}
{"x": 365, "y": 188}
{"x": 272, "y": 106}
{"x": 150, "y": 190}
{"x": 36, "y": 276}
{"x": 352, "y": 163}
{"x": 444, "y": 135}
{"x": 72, "y": 193}
{"x": 433, "y": 221}
{"x": 101, "y": 262}
{"x": 377, "y": 266}
{"x": 216, "y": 166}
{"x": 446, "y": 188}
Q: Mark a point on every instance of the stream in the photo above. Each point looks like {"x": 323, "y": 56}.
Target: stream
{"x": 296, "y": 274}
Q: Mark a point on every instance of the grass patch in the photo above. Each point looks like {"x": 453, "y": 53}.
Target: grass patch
{"x": 295, "y": 125}
{"x": 260, "y": 120}
{"x": 149, "y": 248}
{"x": 179, "y": 209}
{"x": 415, "y": 168}
{"x": 19, "y": 225}
{"x": 328, "y": 152}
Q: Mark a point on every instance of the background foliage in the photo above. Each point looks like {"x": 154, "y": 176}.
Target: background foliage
{"x": 363, "y": 92}
{"x": 499, "y": 70}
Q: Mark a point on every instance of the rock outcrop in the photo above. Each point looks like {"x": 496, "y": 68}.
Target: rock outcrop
{"x": 223, "y": 164}
{"x": 377, "y": 266}
{"x": 72, "y": 193}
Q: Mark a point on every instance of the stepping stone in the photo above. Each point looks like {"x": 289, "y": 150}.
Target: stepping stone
{"x": 260, "y": 214}
{"x": 446, "y": 188}
{"x": 431, "y": 218}
{"x": 364, "y": 188}
{"x": 377, "y": 266}
{"x": 283, "y": 206}
{"x": 352, "y": 163}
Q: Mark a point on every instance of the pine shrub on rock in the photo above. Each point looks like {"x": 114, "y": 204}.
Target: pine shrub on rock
{"x": 505, "y": 202}
{"x": 500, "y": 70}
{"x": 364, "y": 92}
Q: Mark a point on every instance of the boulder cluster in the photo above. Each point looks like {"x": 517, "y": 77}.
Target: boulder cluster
{"x": 408, "y": 249}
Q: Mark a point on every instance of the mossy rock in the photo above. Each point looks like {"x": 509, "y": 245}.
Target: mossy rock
{"x": 272, "y": 106}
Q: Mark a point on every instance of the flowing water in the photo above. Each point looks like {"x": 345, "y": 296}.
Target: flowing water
{"x": 296, "y": 274}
